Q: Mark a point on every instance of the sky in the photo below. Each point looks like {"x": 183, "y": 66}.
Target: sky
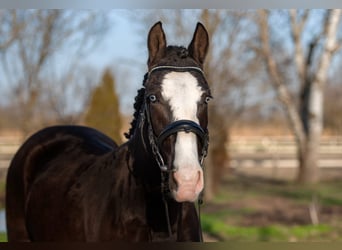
{"x": 123, "y": 49}
{"x": 115, "y": 51}
{"x": 175, "y": 4}
{"x": 125, "y": 53}
{"x": 121, "y": 42}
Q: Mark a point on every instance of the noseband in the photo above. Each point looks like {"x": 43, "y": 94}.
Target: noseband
{"x": 186, "y": 126}
{"x": 156, "y": 142}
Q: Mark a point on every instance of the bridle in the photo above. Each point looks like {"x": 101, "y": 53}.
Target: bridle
{"x": 187, "y": 126}
{"x": 156, "y": 141}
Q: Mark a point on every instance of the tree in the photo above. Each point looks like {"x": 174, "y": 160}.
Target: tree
{"x": 104, "y": 112}
{"x": 30, "y": 46}
{"x": 10, "y": 29}
{"x": 306, "y": 120}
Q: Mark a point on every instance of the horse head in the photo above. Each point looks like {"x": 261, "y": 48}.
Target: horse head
{"x": 176, "y": 97}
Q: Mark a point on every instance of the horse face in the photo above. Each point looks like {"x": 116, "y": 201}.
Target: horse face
{"x": 179, "y": 94}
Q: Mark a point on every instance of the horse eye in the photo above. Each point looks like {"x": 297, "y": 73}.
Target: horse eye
{"x": 207, "y": 99}
{"x": 152, "y": 98}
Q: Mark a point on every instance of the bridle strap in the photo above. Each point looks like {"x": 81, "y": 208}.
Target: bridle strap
{"x": 169, "y": 67}
{"x": 179, "y": 126}
{"x": 153, "y": 141}
{"x": 186, "y": 126}
{"x": 199, "y": 203}
{"x": 156, "y": 141}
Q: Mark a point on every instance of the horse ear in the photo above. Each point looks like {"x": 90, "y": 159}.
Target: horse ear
{"x": 156, "y": 43}
{"x": 198, "y": 47}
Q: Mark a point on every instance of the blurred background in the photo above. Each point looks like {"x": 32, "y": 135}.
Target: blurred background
{"x": 274, "y": 168}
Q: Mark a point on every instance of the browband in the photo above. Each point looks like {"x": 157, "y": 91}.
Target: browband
{"x": 177, "y": 68}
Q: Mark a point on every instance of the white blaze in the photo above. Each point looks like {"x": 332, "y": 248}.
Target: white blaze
{"x": 183, "y": 93}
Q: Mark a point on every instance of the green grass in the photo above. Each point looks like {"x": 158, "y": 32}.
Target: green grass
{"x": 328, "y": 193}
{"x": 233, "y": 215}
{"x": 3, "y": 237}
{"x": 226, "y": 232}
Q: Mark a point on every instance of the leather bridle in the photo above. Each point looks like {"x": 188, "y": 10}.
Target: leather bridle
{"x": 173, "y": 128}
{"x": 186, "y": 126}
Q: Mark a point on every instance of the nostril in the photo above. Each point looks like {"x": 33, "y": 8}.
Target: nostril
{"x": 198, "y": 176}
{"x": 200, "y": 182}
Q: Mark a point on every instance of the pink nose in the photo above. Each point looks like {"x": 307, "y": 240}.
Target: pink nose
{"x": 189, "y": 184}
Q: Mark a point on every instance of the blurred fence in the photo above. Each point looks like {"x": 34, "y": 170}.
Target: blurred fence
{"x": 280, "y": 151}
{"x": 245, "y": 151}
{"x": 8, "y": 146}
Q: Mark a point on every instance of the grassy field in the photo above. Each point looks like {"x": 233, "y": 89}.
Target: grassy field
{"x": 3, "y": 237}
{"x": 259, "y": 209}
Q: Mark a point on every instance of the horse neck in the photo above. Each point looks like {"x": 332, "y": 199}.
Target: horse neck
{"x": 143, "y": 163}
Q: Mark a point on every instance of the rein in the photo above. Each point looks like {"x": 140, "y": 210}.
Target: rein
{"x": 155, "y": 142}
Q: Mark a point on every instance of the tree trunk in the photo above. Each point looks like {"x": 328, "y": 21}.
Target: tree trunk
{"x": 309, "y": 151}
{"x": 308, "y": 171}
{"x": 307, "y": 122}
{"x": 312, "y": 104}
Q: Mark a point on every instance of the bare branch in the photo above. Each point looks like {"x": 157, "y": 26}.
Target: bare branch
{"x": 14, "y": 32}
{"x": 272, "y": 68}
{"x": 296, "y": 31}
{"x": 338, "y": 47}
{"x": 42, "y": 34}
{"x": 48, "y": 30}
{"x": 330, "y": 33}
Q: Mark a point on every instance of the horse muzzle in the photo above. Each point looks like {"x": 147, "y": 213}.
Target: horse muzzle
{"x": 187, "y": 172}
{"x": 189, "y": 184}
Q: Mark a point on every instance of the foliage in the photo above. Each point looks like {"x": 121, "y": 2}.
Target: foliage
{"x": 104, "y": 112}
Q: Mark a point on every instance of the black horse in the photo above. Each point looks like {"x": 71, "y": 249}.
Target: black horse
{"x": 73, "y": 183}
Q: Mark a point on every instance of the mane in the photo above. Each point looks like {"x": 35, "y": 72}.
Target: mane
{"x": 177, "y": 56}
{"x": 138, "y": 102}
